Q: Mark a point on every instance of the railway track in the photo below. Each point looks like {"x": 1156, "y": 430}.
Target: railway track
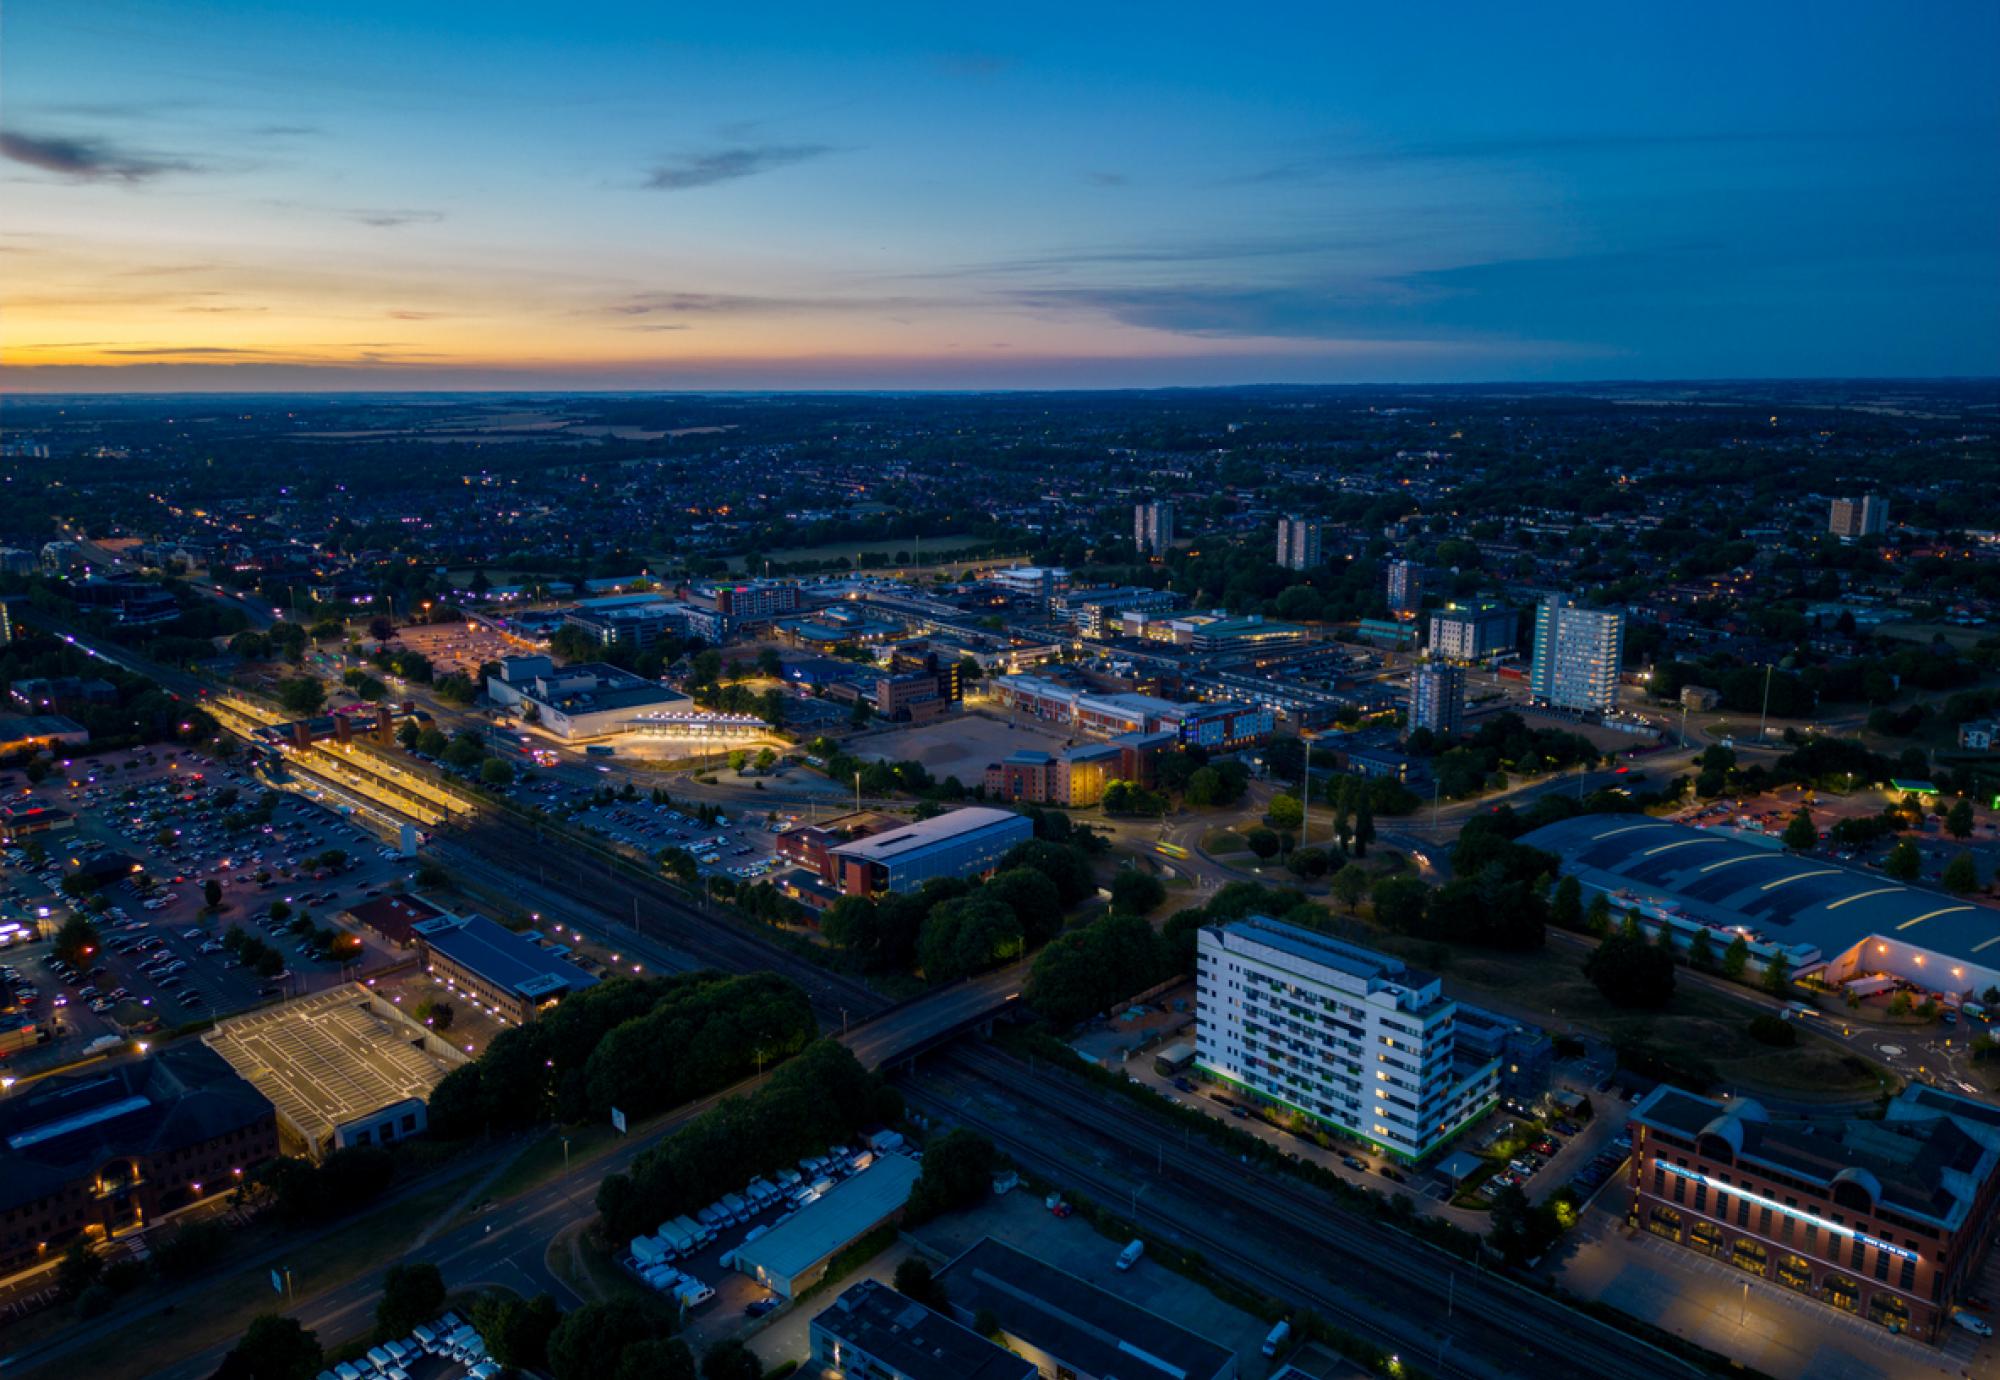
{"x": 1470, "y": 1307}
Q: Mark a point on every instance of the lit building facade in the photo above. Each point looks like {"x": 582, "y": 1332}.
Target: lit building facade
{"x": 1298, "y": 543}
{"x": 1888, "y": 1220}
{"x": 1352, "y": 1038}
{"x": 1577, "y": 655}
{"x": 1153, "y": 527}
{"x": 1437, "y": 699}
{"x": 1472, "y": 634}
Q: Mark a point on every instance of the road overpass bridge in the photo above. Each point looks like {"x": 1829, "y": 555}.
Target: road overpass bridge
{"x": 908, "y": 1029}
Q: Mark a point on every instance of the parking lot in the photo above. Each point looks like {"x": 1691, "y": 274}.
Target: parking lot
{"x": 736, "y": 846}
{"x": 154, "y": 829}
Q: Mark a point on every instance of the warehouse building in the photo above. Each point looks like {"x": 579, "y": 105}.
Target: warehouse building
{"x": 874, "y": 1332}
{"x": 1068, "y": 1327}
{"x": 1356, "y": 1040}
{"x": 961, "y": 843}
{"x": 1889, "y": 1219}
{"x": 506, "y": 973}
{"x": 1841, "y": 921}
{"x": 793, "y": 1255}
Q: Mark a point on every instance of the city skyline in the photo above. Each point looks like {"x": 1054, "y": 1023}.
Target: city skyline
{"x": 231, "y": 197}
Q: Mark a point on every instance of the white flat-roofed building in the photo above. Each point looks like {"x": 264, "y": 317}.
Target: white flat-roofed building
{"x": 1354, "y": 1039}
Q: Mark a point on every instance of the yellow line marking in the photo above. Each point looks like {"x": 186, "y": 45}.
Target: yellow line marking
{"x": 1931, "y": 916}
{"x": 1864, "y": 895}
{"x": 1684, "y": 843}
{"x": 1800, "y": 877}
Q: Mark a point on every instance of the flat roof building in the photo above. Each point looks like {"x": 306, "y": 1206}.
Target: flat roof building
{"x": 509, "y": 975}
{"x": 967, "y": 842}
{"x": 1354, "y": 1039}
{"x": 873, "y": 1331}
{"x": 792, "y": 1256}
{"x": 1578, "y": 653}
{"x": 1889, "y": 1219}
{"x": 1068, "y": 1326}
{"x": 587, "y": 700}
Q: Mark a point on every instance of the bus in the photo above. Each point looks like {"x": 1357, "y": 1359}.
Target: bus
{"x": 1172, "y": 850}
{"x": 600, "y": 750}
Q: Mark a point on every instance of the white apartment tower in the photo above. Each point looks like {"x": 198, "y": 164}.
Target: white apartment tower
{"x": 1577, "y": 655}
{"x": 1298, "y": 543}
{"x": 1153, "y": 527}
{"x": 1351, "y": 1038}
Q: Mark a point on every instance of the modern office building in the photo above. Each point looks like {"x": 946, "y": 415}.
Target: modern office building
{"x": 1067, "y": 1326}
{"x": 1848, "y": 518}
{"x": 1888, "y": 1219}
{"x": 1354, "y": 1039}
{"x": 1035, "y": 583}
{"x": 1405, "y": 588}
{"x": 1298, "y": 543}
{"x": 628, "y": 624}
{"x": 1097, "y": 613}
{"x": 871, "y": 1332}
{"x": 589, "y": 699}
{"x": 1078, "y": 774}
{"x": 1468, "y": 634}
{"x": 106, "y": 1151}
{"x": 1577, "y": 655}
{"x": 1153, "y": 527}
{"x": 1224, "y": 725}
{"x": 1437, "y": 699}
{"x": 506, "y": 973}
{"x": 960, "y": 843}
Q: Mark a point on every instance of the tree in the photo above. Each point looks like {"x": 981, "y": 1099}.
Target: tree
{"x": 1736, "y": 958}
{"x": 1904, "y": 863}
{"x": 1137, "y": 893}
{"x": 1285, "y": 813}
{"x": 1631, "y": 973}
{"x": 302, "y": 694}
{"x": 731, "y": 1360}
{"x": 1961, "y": 874}
{"x": 1401, "y": 903}
{"x": 411, "y": 1294}
{"x": 407, "y": 733}
{"x": 914, "y": 1280}
{"x": 495, "y": 771}
{"x": 1521, "y": 1231}
{"x": 966, "y": 936}
{"x": 1777, "y": 979}
{"x": 1597, "y": 918}
{"x": 211, "y": 894}
{"x": 1566, "y": 905}
{"x": 1958, "y": 819}
{"x": 1204, "y": 788}
{"x": 1364, "y": 825}
{"x": 273, "y": 1348}
{"x": 590, "y": 1341}
{"x": 517, "y": 1331}
{"x": 1802, "y": 835}
{"x": 1033, "y": 897}
{"x": 1263, "y": 843}
{"x": 81, "y": 1267}
{"x": 1701, "y": 951}
{"x": 657, "y": 1359}
{"x": 958, "y": 1171}
{"x": 1350, "y": 885}
{"x": 77, "y": 941}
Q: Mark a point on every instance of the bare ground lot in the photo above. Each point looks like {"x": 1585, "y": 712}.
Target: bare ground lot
{"x": 960, "y": 746}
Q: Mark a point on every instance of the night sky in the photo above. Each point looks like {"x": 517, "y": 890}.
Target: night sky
{"x": 197, "y": 194}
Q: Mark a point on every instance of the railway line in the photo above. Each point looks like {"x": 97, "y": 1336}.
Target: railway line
{"x": 1403, "y": 1293}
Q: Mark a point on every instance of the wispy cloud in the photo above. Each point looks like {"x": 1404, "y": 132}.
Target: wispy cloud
{"x": 155, "y": 350}
{"x": 86, "y": 160}
{"x": 404, "y": 314}
{"x": 1106, "y": 179}
{"x": 730, "y": 164}
{"x": 657, "y": 326}
{"x": 387, "y": 220}
{"x": 974, "y": 66}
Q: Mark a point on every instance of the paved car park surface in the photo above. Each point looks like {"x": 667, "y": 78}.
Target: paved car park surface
{"x": 159, "y": 825}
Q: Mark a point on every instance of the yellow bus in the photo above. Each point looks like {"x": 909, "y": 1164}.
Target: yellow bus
{"x": 1172, "y": 850}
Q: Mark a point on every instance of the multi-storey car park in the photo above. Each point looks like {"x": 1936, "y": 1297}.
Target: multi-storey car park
{"x": 1839, "y": 922}
{"x": 1354, "y": 1039}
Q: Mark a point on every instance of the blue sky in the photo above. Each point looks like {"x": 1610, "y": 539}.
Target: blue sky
{"x": 284, "y": 194}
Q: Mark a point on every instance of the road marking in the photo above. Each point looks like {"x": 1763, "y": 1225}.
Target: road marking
{"x": 1800, "y": 877}
{"x": 1932, "y": 915}
{"x": 1864, "y": 895}
{"x": 1684, "y": 843}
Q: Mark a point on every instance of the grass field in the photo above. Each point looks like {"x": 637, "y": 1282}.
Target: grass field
{"x": 1700, "y": 1022}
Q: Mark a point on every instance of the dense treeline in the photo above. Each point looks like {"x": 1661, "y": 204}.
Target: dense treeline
{"x": 818, "y": 1099}
{"x": 642, "y": 1045}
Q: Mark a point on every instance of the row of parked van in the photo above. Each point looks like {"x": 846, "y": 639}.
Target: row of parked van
{"x": 683, "y": 1236}
{"x": 450, "y": 1338}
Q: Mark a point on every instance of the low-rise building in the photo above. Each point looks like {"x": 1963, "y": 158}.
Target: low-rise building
{"x": 793, "y": 1255}
{"x": 99, "y": 1153}
{"x": 961, "y": 843}
{"x": 871, "y": 1332}
{"x": 1888, "y": 1219}
{"x": 508, "y": 974}
{"x": 1068, "y": 1326}
{"x": 39, "y": 733}
{"x": 587, "y": 700}
{"x": 392, "y": 918}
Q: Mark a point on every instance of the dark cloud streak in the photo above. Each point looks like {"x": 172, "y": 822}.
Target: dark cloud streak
{"x": 86, "y": 160}
{"x": 730, "y": 165}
